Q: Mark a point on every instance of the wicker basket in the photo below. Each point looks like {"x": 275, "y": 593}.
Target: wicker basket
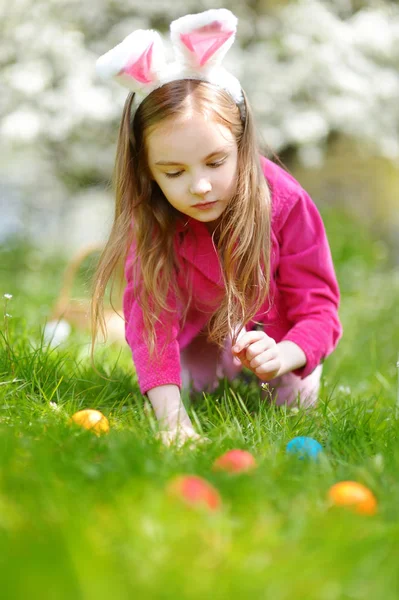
{"x": 76, "y": 311}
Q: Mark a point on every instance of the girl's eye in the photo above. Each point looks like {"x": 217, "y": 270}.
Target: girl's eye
{"x": 219, "y": 163}
{"x": 213, "y": 165}
{"x": 173, "y": 174}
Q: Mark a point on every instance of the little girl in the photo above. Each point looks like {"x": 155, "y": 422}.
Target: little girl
{"x": 226, "y": 258}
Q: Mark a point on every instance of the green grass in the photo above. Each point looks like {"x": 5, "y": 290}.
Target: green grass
{"x": 87, "y": 517}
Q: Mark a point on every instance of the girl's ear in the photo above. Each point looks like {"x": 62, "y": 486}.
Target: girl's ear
{"x": 201, "y": 41}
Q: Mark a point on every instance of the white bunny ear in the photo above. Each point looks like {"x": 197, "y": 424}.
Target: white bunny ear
{"x": 202, "y": 40}
{"x": 136, "y": 63}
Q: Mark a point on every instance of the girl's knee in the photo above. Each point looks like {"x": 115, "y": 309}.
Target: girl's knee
{"x": 291, "y": 390}
{"x": 204, "y": 364}
{"x": 198, "y": 364}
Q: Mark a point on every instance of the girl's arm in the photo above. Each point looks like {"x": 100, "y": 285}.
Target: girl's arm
{"x": 161, "y": 384}
{"x": 292, "y": 357}
{"x": 176, "y": 427}
{"x": 165, "y": 370}
{"x": 168, "y": 407}
{"x": 306, "y": 281}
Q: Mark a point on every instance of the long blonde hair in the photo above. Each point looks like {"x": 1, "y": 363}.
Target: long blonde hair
{"x": 144, "y": 217}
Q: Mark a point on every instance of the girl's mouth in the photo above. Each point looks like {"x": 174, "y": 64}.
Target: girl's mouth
{"x": 205, "y": 205}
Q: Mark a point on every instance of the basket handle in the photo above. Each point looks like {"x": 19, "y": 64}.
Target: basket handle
{"x": 70, "y": 273}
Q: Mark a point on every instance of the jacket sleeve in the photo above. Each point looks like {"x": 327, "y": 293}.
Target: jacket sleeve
{"x": 164, "y": 368}
{"x": 307, "y": 282}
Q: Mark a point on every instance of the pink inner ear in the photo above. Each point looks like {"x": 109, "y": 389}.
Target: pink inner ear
{"x": 141, "y": 69}
{"x": 205, "y": 41}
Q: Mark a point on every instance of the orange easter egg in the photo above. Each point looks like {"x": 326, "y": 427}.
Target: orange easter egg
{"x": 91, "y": 419}
{"x": 194, "y": 491}
{"x": 353, "y": 495}
{"x": 235, "y": 461}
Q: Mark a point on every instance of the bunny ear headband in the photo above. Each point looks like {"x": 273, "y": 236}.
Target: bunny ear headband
{"x": 200, "y": 43}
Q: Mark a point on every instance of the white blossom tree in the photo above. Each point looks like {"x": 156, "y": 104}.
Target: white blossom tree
{"x": 309, "y": 68}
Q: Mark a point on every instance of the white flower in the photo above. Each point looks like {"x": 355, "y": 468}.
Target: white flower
{"x": 7, "y": 296}
{"x": 54, "y": 406}
{"x": 344, "y": 389}
{"x": 378, "y": 461}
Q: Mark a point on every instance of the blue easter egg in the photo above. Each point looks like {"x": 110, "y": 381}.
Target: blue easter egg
{"x": 304, "y": 447}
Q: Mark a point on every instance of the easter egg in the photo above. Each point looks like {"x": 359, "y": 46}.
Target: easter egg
{"x": 235, "y": 461}
{"x": 91, "y": 419}
{"x": 353, "y": 495}
{"x": 304, "y": 447}
{"x": 195, "y": 492}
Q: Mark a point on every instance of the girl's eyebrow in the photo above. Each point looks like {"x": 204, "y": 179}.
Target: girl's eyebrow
{"x": 165, "y": 163}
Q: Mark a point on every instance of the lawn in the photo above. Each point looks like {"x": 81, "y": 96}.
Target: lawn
{"x": 88, "y": 517}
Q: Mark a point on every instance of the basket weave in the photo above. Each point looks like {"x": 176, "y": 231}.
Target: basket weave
{"x": 76, "y": 311}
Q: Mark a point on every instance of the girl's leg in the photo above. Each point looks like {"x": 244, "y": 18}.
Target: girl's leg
{"x": 204, "y": 363}
{"x": 291, "y": 390}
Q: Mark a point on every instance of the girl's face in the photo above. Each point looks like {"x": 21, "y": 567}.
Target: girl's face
{"x": 194, "y": 162}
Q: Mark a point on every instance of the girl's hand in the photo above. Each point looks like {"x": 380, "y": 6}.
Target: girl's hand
{"x": 259, "y": 353}
{"x": 180, "y": 436}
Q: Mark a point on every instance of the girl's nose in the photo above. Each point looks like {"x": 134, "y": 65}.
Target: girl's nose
{"x": 200, "y": 187}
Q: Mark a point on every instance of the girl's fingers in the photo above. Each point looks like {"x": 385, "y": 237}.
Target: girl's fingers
{"x": 249, "y": 337}
{"x": 272, "y": 366}
{"x": 258, "y": 348}
{"x": 263, "y": 358}
{"x": 179, "y": 436}
{"x": 242, "y": 358}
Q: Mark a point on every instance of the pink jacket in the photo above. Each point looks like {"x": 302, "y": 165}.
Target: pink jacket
{"x": 304, "y": 291}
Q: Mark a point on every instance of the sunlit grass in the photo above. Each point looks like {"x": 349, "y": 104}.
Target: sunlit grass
{"x": 87, "y": 517}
